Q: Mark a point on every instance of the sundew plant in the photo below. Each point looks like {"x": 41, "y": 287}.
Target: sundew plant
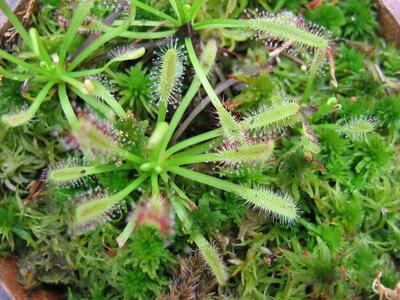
{"x": 119, "y": 142}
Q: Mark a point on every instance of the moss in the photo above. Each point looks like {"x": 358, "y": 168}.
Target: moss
{"x": 348, "y": 192}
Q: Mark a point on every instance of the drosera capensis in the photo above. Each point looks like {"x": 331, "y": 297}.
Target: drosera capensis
{"x": 357, "y": 127}
{"x": 159, "y": 166}
{"x": 159, "y": 163}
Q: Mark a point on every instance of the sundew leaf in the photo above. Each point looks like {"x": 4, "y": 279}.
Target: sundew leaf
{"x": 208, "y": 56}
{"x": 95, "y": 139}
{"x": 254, "y": 153}
{"x": 233, "y": 131}
{"x": 92, "y": 209}
{"x": 272, "y": 118}
{"x": 65, "y": 174}
{"x": 124, "y": 54}
{"x": 212, "y": 258}
{"x": 278, "y": 206}
{"x": 287, "y": 27}
{"x": 357, "y": 127}
{"x": 167, "y": 74}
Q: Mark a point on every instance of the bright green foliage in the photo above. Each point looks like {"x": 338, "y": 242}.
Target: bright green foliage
{"x": 331, "y": 235}
{"x": 114, "y": 181}
{"x": 317, "y": 268}
{"x": 296, "y": 173}
{"x": 329, "y": 16}
{"x": 259, "y": 90}
{"x": 214, "y": 214}
{"x": 10, "y": 228}
{"x": 149, "y": 252}
{"x": 388, "y": 114}
{"x": 10, "y": 93}
{"x": 134, "y": 88}
{"x": 207, "y": 220}
{"x": 137, "y": 285}
{"x": 349, "y": 61}
{"x": 372, "y": 156}
{"x": 360, "y": 18}
{"x": 391, "y": 60}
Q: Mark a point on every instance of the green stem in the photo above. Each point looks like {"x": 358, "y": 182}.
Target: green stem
{"x": 156, "y": 140}
{"x": 12, "y": 18}
{"x": 68, "y": 174}
{"x": 19, "y": 62}
{"x": 318, "y": 59}
{"x": 193, "y": 159}
{"x": 205, "y": 179}
{"x": 18, "y": 119}
{"x": 211, "y": 257}
{"x": 200, "y": 148}
{"x": 124, "y": 99}
{"x": 147, "y": 23}
{"x": 129, "y": 156}
{"x": 126, "y": 233}
{"x": 231, "y": 128}
{"x": 103, "y": 93}
{"x": 196, "y": 6}
{"x": 177, "y": 9}
{"x": 193, "y": 140}
{"x": 85, "y": 73}
{"x": 73, "y": 82}
{"x": 201, "y": 75}
{"x": 309, "y": 86}
{"x": 154, "y": 185}
{"x": 39, "y": 48}
{"x": 97, "y": 44}
{"x": 93, "y": 102}
{"x": 189, "y": 204}
{"x": 154, "y": 11}
{"x": 66, "y": 105}
{"x": 194, "y": 87}
{"x": 162, "y": 111}
{"x": 14, "y": 76}
{"x": 92, "y": 170}
{"x": 220, "y": 23}
{"x": 79, "y": 16}
{"x": 39, "y": 99}
{"x": 180, "y": 207}
{"x": 128, "y": 189}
